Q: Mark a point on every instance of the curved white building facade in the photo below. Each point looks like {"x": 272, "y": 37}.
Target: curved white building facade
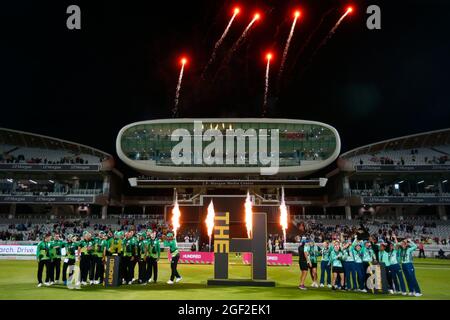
{"x": 228, "y": 146}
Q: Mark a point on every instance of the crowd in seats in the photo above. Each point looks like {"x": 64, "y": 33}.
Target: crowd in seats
{"x": 390, "y": 192}
{"x": 425, "y": 232}
{"x": 11, "y": 154}
{"x": 421, "y": 156}
{"x": 32, "y": 231}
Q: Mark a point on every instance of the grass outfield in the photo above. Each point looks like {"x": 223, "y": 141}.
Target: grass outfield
{"x": 18, "y": 281}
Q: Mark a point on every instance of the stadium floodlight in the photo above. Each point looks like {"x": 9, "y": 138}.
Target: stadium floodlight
{"x": 10, "y": 180}
{"x": 421, "y": 181}
{"x": 32, "y": 181}
{"x": 445, "y": 181}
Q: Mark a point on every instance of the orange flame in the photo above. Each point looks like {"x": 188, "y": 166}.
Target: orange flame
{"x": 210, "y": 219}
{"x": 283, "y": 214}
{"x": 176, "y": 217}
{"x": 248, "y": 215}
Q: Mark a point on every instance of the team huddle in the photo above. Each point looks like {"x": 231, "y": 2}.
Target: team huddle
{"x": 142, "y": 249}
{"x": 347, "y": 262}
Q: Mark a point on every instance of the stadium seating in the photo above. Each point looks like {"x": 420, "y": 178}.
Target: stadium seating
{"x": 421, "y": 156}
{"x": 13, "y": 154}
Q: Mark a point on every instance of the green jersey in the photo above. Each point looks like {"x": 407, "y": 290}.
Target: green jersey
{"x": 43, "y": 251}
{"x": 87, "y": 247}
{"x": 336, "y": 258}
{"x": 406, "y": 255}
{"x": 172, "y": 245}
{"x": 129, "y": 247}
{"x": 142, "y": 246}
{"x": 115, "y": 246}
{"x": 71, "y": 249}
{"x": 55, "y": 249}
{"x": 154, "y": 248}
{"x": 99, "y": 247}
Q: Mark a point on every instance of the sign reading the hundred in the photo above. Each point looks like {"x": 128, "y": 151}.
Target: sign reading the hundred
{"x": 228, "y": 146}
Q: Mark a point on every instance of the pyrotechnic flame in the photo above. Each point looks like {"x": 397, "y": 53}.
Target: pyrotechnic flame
{"x": 248, "y": 215}
{"x": 176, "y": 216}
{"x": 210, "y": 219}
{"x": 283, "y": 215}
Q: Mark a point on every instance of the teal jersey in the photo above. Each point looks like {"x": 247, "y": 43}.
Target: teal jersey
{"x": 348, "y": 255}
{"x": 368, "y": 254}
{"x": 406, "y": 255}
{"x": 55, "y": 249}
{"x": 313, "y": 252}
{"x": 383, "y": 257}
{"x": 336, "y": 258}
{"x": 393, "y": 257}
{"x": 326, "y": 254}
{"x": 357, "y": 255}
{"x": 172, "y": 245}
{"x": 43, "y": 251}
{"x": 154, "y": 248}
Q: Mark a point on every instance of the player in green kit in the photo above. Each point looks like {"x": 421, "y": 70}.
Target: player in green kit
{"x": 135, "y": 257}
{"x": 43, "y": 258}
{"x": 129, "y": 249}
{"x": 99, "y": 255}
{"x": 86, "y": 251}
{"x": 171, "y": 243}
{"x": 142, "y": 257}
{"x": 71, "y": 247}
{"x": 55, "y": 252}
{"x": 153, "y": 252}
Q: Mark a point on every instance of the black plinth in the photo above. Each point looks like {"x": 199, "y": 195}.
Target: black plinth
{"x": 241, "y": 282}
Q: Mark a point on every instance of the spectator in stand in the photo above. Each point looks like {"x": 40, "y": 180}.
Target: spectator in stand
{"x": 421, "y": 250}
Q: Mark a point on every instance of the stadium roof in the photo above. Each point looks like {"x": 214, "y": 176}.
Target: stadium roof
{"x": 414, "y": 141}
{"x": 32, "y": 140}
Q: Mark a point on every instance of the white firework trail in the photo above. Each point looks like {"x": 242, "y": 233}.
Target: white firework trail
{"x": 286, "y": 47}
{"x": 266, "y": 87}
{"x": 332, "y": 31}
{"x": 177, "y": 93}
{"x": 243, "y": 36}
{"x": 219, "y": 42}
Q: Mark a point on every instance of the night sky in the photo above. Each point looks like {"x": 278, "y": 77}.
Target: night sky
{"x": 122, "y": 66}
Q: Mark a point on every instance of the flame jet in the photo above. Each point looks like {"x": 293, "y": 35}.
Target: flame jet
{"x": 210, "y": 221}
{"x": 249, "y": 215}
